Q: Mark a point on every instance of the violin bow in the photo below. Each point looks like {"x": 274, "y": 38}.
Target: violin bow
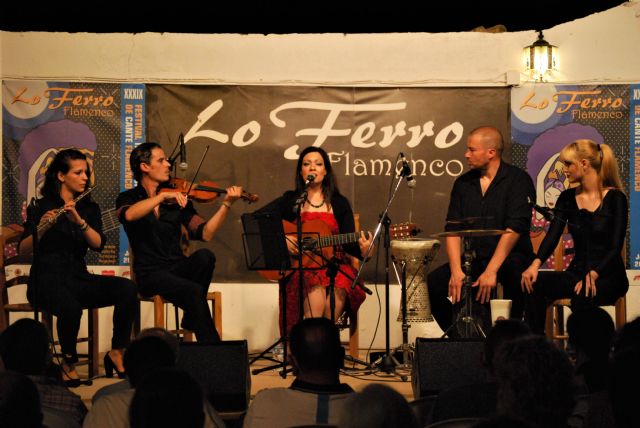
{"x": 198, "y": 169}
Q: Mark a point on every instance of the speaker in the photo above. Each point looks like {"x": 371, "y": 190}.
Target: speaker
{"x": 222, "y": 369}
{"x": 445, "y": 363}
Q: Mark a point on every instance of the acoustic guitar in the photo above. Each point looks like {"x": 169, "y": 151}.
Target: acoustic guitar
{"x": 317, "y": 246}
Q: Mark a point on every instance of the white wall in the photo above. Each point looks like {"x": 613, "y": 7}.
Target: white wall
{"x": 600, "y": 48}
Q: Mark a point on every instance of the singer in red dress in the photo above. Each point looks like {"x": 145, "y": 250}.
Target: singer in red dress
{"x": 596, "y": 213}
{"x": 324, "y": 202}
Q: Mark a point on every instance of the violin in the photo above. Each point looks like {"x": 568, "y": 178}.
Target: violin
{"x": 203, "y": 191}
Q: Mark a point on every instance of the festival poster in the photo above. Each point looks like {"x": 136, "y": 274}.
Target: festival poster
{"x": 545, "y": 118}
{"x": 40, "y": 118}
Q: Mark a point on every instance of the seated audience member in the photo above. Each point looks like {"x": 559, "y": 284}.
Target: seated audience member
{"x": 316, "y": 396}
{"x": 19, "y": 401}
{"x": 122, "y": 385}
{"x": 378, "y": 406}
{"x": 479, "y": 399}
{"x": 625, "y": 376}
{"x": 142, "y": 358}
{"x": 628, "y": 336}
{"x": 24, "y": 347}
{"x": 167, "y": 398}
{"x": 535, "y": 382}
{"x": 591, "y": 332}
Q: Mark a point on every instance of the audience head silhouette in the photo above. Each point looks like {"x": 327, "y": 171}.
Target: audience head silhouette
{"x": 502, "y": 332}
{"x": 315, "y": 347}
{"x": 625, "y": 376}
{"x": 24, "y": 347}
{"x": 165, "y": 335}
{"x": 535, "y": 382}
{"x": 145, "y": 356}
{"x": 591, "y": 332}
{"x": 628, "y": 336}
{"x": 167, "y": 398}
{"x": 19, "y": 401}
{"x": 378, "y": 406}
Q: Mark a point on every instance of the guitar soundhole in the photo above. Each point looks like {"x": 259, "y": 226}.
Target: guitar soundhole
{"x": 308, "y": 244}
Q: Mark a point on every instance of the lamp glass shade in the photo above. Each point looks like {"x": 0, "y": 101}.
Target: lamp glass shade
{"x": 540, "y": 57}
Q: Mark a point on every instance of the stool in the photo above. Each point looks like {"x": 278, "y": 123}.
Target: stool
{"x": 554, "y": 319}
{"x": 215, "y": 297}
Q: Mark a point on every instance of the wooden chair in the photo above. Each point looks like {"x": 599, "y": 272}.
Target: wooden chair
{"x": 159, "y": 319}
{"x": 9, "y": 238}
{"x": 160, "y": 304}
{"x": 555, "y": 319}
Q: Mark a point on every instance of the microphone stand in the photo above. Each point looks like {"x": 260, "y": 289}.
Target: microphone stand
{"x": 387, "y": 362}
{"x": 35, "y": 243}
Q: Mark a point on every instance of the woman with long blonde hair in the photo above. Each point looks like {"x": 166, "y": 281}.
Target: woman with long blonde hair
{"x": 596, "y": 212}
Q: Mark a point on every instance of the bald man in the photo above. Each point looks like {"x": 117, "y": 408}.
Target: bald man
{"x": 492, "y": 195}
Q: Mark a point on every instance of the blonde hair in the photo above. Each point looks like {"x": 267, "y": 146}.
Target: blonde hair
{"x": 601, "y": 158}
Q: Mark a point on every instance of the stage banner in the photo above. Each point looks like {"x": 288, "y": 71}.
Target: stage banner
{"x": 634, "y": 181}
{"x": 40, "y": 118}
{"x": 545, "y": 118}
{"x": 255, "y": 133}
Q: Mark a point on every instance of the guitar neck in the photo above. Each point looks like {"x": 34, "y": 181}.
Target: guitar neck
{"x": 343, "y": 238}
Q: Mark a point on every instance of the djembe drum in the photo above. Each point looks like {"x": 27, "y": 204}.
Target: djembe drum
{"x": 412, "y": 257}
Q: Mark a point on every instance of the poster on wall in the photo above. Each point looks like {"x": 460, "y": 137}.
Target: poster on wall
{"x": 103, "y": 121}
{"x": 545, "y": 118}
{"x": 252, "y": 136}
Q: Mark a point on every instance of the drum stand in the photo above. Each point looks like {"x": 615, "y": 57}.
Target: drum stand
{"x": 465, "y": 317}
{"x": 407, "y": 350}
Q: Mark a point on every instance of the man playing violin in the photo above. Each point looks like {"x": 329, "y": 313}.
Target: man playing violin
{"x": 153, "y": 222}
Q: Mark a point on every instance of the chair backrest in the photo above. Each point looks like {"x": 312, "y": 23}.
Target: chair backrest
{"x": 9, "y": 239}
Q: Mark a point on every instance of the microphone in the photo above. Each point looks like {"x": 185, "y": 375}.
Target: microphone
{"x": 406, "y": 172}
{"x": 183, "y": 165}
{"x": 546, "y": 212}
{"x": 309, "y": 180}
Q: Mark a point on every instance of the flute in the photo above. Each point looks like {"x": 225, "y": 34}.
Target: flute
{"x": 58, "y": 213}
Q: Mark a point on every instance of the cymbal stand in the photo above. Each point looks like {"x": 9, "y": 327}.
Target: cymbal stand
{"x": 466, "y": 315}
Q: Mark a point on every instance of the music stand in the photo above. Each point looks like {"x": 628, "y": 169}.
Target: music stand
{"x": 265, "y": 248}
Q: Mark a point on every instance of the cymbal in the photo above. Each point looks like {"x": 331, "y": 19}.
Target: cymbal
{"x": 468, "y": 220}
{"x": 470, "y": 233}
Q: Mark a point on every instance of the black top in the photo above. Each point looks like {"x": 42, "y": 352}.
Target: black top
{"x": 62, "y": 249}
{"x": 156, "y": 241}
{"x": 284, "y": 207}
{"x": 505, "y": 204}
{"x": 598, "y": 236}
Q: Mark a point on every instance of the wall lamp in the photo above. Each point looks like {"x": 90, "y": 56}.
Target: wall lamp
{"x": 540, "y": 58}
